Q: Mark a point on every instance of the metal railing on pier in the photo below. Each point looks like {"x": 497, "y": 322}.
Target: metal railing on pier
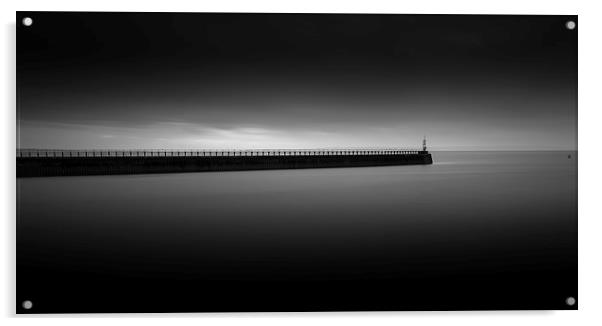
{"x": 208, "y": 153}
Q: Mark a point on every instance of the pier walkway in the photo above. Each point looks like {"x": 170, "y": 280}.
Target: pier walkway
{"x": 39, "y": 163}
{"x": 208, "y": 153}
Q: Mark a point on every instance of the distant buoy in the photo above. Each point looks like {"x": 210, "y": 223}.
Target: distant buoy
{"x": 569, "y": 155}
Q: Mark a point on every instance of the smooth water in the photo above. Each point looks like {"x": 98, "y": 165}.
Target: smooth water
{"x": 473, "y": 230}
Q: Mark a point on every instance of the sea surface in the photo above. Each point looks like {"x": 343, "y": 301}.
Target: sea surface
{"x": 475, "y": 230}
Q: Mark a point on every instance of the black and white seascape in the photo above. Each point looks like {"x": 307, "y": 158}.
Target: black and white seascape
{"x": 197, "y": 162}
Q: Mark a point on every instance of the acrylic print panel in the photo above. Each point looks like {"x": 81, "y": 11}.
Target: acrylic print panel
{"x": 204, "y": 162}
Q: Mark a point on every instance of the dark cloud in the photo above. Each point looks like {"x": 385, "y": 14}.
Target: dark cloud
{"x": 278, "y": 80}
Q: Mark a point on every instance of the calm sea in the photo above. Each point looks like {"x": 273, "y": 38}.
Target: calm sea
{"x": 475, "y": 230}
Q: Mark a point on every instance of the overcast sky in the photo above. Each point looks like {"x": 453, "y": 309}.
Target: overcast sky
{"x": 184, "y": 81}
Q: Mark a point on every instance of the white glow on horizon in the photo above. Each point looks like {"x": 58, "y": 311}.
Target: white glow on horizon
{"x": 189, "y": 136}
